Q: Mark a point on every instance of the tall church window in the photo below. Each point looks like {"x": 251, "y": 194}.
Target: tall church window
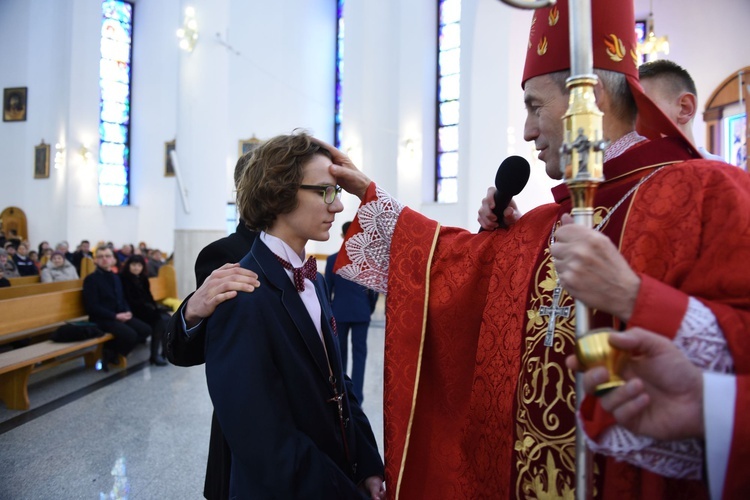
{"x": 448, "y": 87}
{"x": 339, "y": 72}
{"x": 114, "y": 104}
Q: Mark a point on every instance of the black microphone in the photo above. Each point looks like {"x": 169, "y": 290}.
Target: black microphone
{"x": 512, "y": 175}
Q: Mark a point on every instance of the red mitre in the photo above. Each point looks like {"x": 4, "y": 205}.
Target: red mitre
{"x": 614, "y": 44}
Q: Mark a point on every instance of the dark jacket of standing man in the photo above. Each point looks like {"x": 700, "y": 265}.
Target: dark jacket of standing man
{"x": 352, "y": 306}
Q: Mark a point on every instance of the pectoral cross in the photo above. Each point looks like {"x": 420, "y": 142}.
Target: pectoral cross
{"x": 338, "y": 399}
{"x": 553, "y": 312}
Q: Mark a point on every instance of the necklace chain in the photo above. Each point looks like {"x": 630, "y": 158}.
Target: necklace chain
{"x": 612, "y": 211}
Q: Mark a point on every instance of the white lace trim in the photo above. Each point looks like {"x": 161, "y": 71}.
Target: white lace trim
{"x": 703, "y": 342}
{"x": 370, "y": 250}
{"x": 622, "y": 144}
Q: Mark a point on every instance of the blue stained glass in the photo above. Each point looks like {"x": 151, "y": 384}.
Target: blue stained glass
{"x": 116, "y": 175}
{"x": 117, "y": 9}
{"x": 338, "y": 106}
{"x": 111, "y": 152}
{"x": 448, "y": 164}
{"x": 116, "y": 31}
{"x": 448, "y": 93}
{"x": 447, "y": 190}
{"x": 114, "y": 84}
{"x": 450, "y": 11}
{"x": 449, "y": 113}
{"x": 113, "y": 132}
{"x": 115, "y": 91}
{"x": 115, "y": 112}
{"x": 448, "y": 138}
{"x": 450, "y": 37}
{"x": 450, "y": 62}
{"x": 114, "y": 70}
{"x": 449, "y": 88}
{"x": 115, "y": 50}
{"x": 113, "y": 195}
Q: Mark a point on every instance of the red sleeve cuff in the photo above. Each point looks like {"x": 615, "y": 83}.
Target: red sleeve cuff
{"x": 658, "y": 307}
{"x": 594, "y": 418}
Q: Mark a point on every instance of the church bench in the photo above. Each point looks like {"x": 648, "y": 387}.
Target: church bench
{"x": 25, "y": 280}
{"x": 38, "y": 288}
{"x": 30, "y": 317}
{"x": 17, "y": 365}
{"x": 164, "y": 285}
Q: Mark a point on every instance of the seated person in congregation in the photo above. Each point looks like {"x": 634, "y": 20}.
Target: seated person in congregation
{"x": 8, "y": 265}
{"x": 273, "y": 367}
{"x": 58, "y": 269}
{"x": 3, "y": 280}
{"x": 25, "y": 265}
{"x": 137, "y": 291}
{"x": 106, "y": 306}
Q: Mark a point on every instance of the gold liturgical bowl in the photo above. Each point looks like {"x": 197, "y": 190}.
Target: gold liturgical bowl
{"x": 593, "y": 349}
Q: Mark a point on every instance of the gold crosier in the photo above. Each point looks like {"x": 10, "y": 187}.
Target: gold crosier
{"x": 582, "y": 165}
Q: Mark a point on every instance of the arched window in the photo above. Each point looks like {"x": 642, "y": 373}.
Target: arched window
{"x": 726, "y": 118}
{"x": 114, "y": 104}
{"x": 448, "y": 90}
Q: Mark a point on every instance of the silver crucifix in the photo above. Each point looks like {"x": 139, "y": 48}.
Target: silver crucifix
{"x": 553, "y": 312}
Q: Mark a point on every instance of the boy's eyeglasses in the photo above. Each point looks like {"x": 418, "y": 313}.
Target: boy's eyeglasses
{"x": 329, "y": 192}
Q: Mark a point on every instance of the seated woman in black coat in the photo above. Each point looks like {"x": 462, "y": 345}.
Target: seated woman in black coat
{"x": 137, "y": 292}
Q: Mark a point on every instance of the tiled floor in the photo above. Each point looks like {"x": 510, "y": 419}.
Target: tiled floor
{"x": 141, "y": 433}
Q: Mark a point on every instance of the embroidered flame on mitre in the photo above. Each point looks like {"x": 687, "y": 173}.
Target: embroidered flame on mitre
{"x": 615, "y": 48}
{"x": 554, "y": 16}
{"x": 531, "y": 32}
{"x": 636, "y": 56}
{"x": 542, "y": 47}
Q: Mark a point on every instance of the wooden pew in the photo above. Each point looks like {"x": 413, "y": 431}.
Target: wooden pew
{"x": 11, "y": 292}
{"x": 164, "y": 285}
{"x": 31, "y": 316}
{"x": 87, "y": 267}
{"x": 25, "y": 280}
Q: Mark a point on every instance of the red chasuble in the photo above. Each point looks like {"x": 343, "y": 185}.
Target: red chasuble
{"x": 475, "y": 405}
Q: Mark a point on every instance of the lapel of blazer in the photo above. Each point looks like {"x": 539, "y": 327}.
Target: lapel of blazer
{"x": 332, "y": 345}
{"x": 291, "y": 302}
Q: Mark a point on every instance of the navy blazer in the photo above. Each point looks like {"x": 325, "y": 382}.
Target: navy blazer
{"x": 103, "y": 297}
{"x": 188, "y": 351}
{"x": 269, "y": 381}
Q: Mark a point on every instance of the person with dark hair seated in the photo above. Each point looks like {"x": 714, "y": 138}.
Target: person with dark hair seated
{"x": 6, "y": 262}
{"x": 104, "y": 301}
{"x": 25, "y": 265}
{"x": 137, "y": 292}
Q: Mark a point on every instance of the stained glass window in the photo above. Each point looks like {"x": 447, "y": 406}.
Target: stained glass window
{"x": 339, "y": 72}
{"x": 114, "y": 105}
{"x": 448, "y": 90}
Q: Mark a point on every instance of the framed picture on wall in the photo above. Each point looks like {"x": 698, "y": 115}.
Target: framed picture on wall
{"x": 41, "y": 161}
{"x": 248, "y": 145}
{"x": 14, "y": 104}
{"x": 168, "y": 165}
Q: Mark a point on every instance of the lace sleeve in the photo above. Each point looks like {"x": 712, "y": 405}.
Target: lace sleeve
{"x": 701, "y": 339}
{"x": 369, "y": 250}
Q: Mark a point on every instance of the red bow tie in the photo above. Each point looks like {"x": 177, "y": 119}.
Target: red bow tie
{"x": 308, "y": 270}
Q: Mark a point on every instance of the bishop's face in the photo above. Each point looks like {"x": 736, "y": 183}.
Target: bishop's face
{"x": 546, "y": 104}
{"x": 313, "y": 217}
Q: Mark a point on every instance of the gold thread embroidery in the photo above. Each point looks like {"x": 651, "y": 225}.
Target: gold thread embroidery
{"x": 419, "y": 360}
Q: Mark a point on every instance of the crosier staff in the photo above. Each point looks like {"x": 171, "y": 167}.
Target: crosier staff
{"x": 582, "y": 166}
